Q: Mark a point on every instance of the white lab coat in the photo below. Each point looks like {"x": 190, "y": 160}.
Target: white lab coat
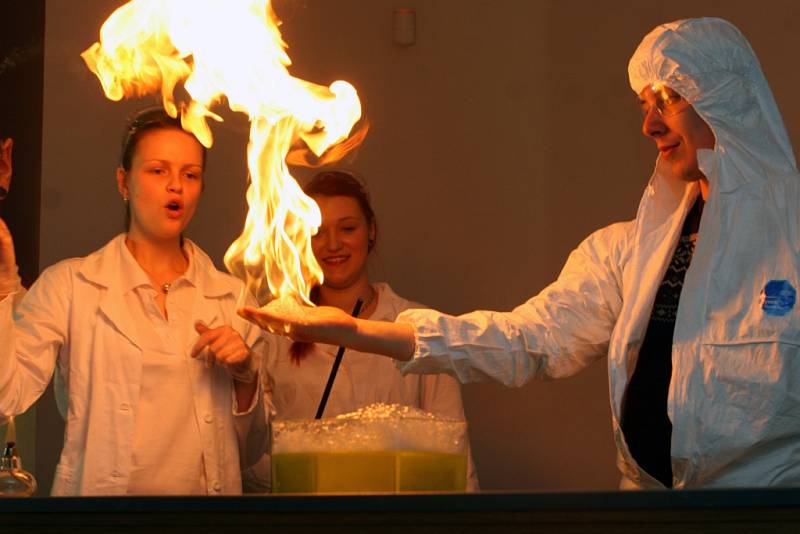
{"x": 294, "y": 391}
{"x": 733, "y": 396}
{"x": 75, "y": 316}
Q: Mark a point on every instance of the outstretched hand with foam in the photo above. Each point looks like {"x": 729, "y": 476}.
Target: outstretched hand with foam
{"x": 321, "y": 324}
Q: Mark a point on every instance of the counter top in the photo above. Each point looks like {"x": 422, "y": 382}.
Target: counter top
{"x": 707, "y": 511}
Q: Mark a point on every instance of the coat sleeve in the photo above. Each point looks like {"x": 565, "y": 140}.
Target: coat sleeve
{"x": 31, "y": 336}
{"x": 252, "y": 422}
{"x": 257, "y": 478}
{"x": 555, "y": 334}
{"x": 252, "y": 426}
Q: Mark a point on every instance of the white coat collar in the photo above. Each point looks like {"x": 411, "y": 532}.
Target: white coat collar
{"x": 103, "y": 268}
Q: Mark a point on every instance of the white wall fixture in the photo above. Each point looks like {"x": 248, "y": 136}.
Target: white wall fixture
{"x": 404, "y": 26}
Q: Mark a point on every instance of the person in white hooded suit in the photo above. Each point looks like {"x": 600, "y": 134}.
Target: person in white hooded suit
{"x": 725, "y": 386}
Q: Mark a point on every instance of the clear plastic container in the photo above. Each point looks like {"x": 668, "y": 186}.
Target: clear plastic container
{"x": 380, "y": 448}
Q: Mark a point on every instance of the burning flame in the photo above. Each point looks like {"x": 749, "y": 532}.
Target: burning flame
{"x": 233, "y": 49}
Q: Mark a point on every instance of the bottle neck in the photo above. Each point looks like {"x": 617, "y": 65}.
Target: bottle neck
{"x": 10, "y": 458}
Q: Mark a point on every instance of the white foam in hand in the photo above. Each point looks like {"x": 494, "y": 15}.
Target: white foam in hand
{"x": 286, "y": 311}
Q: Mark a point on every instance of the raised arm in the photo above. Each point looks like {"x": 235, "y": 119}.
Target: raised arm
{"x": 330, "y": 325}
{"x": 9, "y": 279}
{"x": 30, "y": 335}
{"x": 556, "y": 333}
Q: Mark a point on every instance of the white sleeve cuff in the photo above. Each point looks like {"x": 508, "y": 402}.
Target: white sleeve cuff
{"x": 253, "y": 403}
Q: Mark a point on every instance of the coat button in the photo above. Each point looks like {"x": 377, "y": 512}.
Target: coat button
{"x": 208, "y": 418}
{"x": 124, "y": 407}
{"x": 217, "y": 486}
{"x": 116, "y": 474}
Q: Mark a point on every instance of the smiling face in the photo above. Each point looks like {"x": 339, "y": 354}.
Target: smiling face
{"x": 342, "y": 243}
{"x": 163, "y": 184}
{"x": 677, "y": 130}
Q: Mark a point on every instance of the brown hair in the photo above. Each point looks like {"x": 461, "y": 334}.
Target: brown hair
{"x": 335, "y": 184}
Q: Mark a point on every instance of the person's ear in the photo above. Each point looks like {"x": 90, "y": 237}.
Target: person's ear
{"x": 122, "y": 183}
{"x": 5, "y": 167}
{"x": 373, "y": 231}
{"x": 5, "y": 148}
{"x": 5, "y": 152}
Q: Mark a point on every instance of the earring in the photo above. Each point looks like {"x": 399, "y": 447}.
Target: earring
{"x": 125, "y": 199}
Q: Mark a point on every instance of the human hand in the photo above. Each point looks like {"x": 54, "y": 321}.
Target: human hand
{"x": 224, "y": 346}
{"x": 321, "y": 324}
{"x": 9, "y": 281}
{"x": 5, "y": 166}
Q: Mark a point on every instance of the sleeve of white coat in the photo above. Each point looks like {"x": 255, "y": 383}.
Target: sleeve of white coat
{"x": 555, "y": 334}
{"x": 31, "y": 335}
{"x": 252, "y": 428}
{"x": 252, "y": 422}
{"x": 17, "y": 297}
{"x": 441, "y": 394}
{"x": 258, "y": 477}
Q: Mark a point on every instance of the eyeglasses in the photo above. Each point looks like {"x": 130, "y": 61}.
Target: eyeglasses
{"x": 145, "y": 119}
{"x": 667, "y": 102}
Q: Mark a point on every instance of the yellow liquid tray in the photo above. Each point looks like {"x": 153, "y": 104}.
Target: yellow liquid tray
{"x": 380, "y": 471}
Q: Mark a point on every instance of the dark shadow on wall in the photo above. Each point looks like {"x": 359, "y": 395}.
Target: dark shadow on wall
{"x": 21, "y": 89}
{"x": 21, "y": 97}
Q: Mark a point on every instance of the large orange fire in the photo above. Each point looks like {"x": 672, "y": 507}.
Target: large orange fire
{"x": 233, "y": 49}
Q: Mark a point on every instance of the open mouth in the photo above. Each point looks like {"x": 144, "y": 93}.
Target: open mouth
{"x": 174, "y": 209}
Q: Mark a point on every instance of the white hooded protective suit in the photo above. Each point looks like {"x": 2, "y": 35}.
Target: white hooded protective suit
{"x": 734, "y": 395}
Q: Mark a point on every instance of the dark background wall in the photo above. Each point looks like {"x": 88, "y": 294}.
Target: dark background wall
{"x": 21, "y": 87}
{"x": 499, "y": 140}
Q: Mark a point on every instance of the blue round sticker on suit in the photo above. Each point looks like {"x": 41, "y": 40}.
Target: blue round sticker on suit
{"x": 778, "y": 298}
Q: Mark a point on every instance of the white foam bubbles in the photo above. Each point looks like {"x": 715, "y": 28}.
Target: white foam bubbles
{"x": 377, "y": 427}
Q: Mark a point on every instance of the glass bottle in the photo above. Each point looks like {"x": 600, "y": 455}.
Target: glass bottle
{"x": 14, "y": 480}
